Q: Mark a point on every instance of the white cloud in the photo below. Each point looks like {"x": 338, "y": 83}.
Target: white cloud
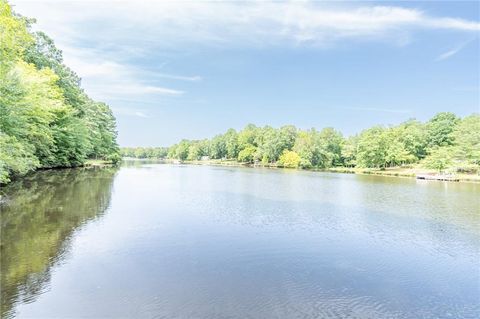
{"x": 107, "y": 79}
{"x": 452, "y": 52}
{"x": 454, "y": 24}
{"x": 140, "y": 114}
{"x": 448, "y": 54}
{"x": 103, "y": 40}
{"x": 193, "y": 78}
{"x": 129, "y": 112}
{"x": 167, "y": 23}
{"x": 131, "y": 88}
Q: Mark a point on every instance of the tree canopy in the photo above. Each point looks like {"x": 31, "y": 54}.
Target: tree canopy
{"x": 445, "y": 141}
{"x": 46, "y": 119}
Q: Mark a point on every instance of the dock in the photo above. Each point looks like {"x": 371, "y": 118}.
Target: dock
{"x": 445, "y": 178}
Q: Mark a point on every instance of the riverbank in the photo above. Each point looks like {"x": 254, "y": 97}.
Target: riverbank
{"x": 97, "y": 163}
{"x": 91, "y": 163}
{"x": 405, "y": 172}
{"x": 402, "y": 172}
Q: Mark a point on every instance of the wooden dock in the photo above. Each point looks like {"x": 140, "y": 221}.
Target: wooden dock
{"x": 445, "y": 178}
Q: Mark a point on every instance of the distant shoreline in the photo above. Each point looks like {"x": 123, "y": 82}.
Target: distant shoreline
{"x": 389, "y": 172}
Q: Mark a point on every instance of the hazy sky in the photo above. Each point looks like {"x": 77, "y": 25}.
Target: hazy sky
{"x": 173, "y": 70}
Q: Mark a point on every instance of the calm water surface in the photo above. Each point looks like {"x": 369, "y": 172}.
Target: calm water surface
{"x": 165, "y": 241}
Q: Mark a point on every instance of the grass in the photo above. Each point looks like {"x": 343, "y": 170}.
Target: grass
{"x": 401, "y": 171}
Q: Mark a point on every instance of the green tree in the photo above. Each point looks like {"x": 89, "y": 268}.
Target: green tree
{"x": 140, "y": 152}
{"x": 331, "y": 142}
{"x": 274, "y": 142}
{"x": 160, "y": 152}
{"x": 413, "y": 135}
{"x": 16, "y": 158}
{"x": 439, "y": 158}
{"x": 231, "y": 143}
{"x": 372, "y": 148}
{"x": 440, "y": 128}
{"x": 218, "y": 147}
{"x": 45, "y": 116}
{"x": 349, "y": 151}
{"x": 43, "y": 54}
{"x": 466, "y": 141}
{"x": 308, "y": 148}
{"x": 14, "y": 35}
{"x": 289, "y": 159}
{"x": 248, "y": 136}
{"x": 247, "y": 155}
{"x": 182, "y": 149}
{"x": 194, "y": 151}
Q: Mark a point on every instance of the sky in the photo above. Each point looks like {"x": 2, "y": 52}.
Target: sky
{"x": 192, "y": 69}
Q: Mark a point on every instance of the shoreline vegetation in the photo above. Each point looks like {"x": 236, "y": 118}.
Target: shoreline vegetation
{"x": 404, "y": 172}
{"x": 446, "y": 147}
{"x": 46, "y": 119}
{"x": 99, "y": 163}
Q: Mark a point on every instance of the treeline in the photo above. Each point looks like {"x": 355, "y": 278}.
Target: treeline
{"x": 446, "y": 141}
{"x": 46, "y": 119}
{"x": 145, "y": 152}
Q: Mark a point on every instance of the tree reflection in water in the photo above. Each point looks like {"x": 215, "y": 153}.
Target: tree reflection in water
{"x": 39, "y": 215}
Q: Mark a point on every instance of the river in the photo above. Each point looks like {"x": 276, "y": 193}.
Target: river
{"x": 150, "y": 240}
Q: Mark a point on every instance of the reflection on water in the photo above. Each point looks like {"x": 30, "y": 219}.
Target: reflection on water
{"x": 38, "y": 217}
{"x": 214, "y": 242}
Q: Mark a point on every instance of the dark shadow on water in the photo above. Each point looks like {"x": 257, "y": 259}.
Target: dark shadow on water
{"x": 39, "y": 215}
